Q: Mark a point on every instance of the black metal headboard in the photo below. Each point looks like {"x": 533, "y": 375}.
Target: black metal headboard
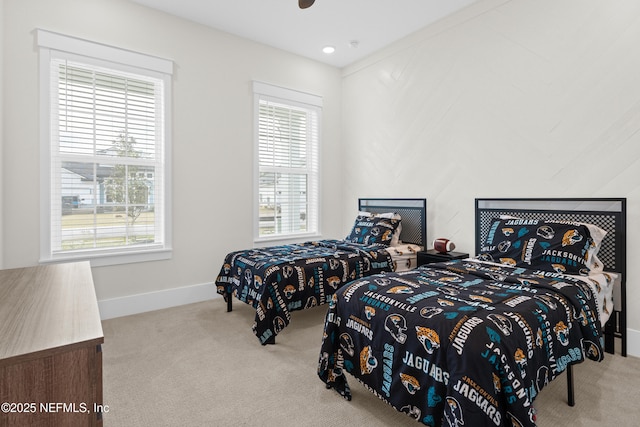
{"x": 607, "y": 213}
{"x": 412, "y": 211}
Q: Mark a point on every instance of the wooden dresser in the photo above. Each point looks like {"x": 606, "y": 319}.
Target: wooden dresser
{"x": 50, "y": 347}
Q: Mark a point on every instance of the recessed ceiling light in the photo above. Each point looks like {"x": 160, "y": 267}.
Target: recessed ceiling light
{"x": 328, "y": 49}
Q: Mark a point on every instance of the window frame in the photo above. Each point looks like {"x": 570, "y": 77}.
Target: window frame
{"x": 312, "y": 103}
{"x": 57, "y": 46}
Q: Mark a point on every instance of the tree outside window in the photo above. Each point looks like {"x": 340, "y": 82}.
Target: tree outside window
{"x": 127, "y": 186}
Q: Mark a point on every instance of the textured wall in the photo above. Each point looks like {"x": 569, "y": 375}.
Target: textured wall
{"x": 513, "y": 98}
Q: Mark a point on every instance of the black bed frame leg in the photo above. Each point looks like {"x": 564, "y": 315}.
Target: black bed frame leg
{"x": 609, "y": 333}
{"x": 570, "y": 392}
{"x": 229, "y": 298}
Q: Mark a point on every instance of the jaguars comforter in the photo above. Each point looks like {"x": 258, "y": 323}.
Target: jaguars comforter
{"x": 461, "y": 343}
{"x": 279, "y": 279}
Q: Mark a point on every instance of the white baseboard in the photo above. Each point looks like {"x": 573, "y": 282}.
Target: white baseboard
{"x": 140, "y": 303}
{"x": 633, "y": 342}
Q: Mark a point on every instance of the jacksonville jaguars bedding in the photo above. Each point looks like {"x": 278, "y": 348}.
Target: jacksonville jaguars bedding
{"x": 279, "y": 279}
{"x": 462, "y": 343}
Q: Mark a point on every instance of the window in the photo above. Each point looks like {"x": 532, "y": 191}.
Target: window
{"x": 287, "y": 137}
{"x": 105, "y": 138}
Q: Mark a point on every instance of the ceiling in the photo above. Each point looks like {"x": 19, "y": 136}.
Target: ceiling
{"x": 356, "y": 28}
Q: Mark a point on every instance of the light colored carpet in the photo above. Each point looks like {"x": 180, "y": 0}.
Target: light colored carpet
{"x": 197, "y": 365}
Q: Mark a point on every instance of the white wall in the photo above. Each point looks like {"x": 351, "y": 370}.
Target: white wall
{"x": 1, "y": 132}
{"x": 212, "y": 133}
{"x": 513, "y": 98}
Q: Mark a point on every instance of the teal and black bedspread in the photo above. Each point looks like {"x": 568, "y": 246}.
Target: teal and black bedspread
{"x": 279, "y": 279}
{"x": 463, "y": 343}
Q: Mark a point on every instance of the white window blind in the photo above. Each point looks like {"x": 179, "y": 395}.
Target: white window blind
{"x": 107, "y": 160}
{"x": 287, "y": 134}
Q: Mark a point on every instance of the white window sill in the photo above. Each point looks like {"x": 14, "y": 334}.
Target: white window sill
{"x": 112, "y": 258}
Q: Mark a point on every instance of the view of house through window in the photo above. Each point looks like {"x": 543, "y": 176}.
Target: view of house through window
{"x": 287, "y": 134}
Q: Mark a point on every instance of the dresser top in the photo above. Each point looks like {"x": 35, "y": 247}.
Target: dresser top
{"x": 47, "y": 307}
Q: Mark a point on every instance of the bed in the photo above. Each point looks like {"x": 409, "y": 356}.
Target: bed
{"x": 276, "y": 280}
{"x": 472, "y": 342}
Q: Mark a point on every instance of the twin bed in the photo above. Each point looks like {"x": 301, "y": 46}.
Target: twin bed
{"x": 471, "y": 342}
{"x": 386, "y": 236}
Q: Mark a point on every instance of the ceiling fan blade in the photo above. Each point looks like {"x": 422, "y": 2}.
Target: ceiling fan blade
{"x": 305, "y": 3}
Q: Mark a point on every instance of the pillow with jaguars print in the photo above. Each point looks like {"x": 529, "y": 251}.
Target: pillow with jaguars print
{"x": 373, "y": 229}
{"x": 564, "y": 247}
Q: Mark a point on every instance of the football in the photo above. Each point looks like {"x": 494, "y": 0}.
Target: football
{"x": 443, "y": 245}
